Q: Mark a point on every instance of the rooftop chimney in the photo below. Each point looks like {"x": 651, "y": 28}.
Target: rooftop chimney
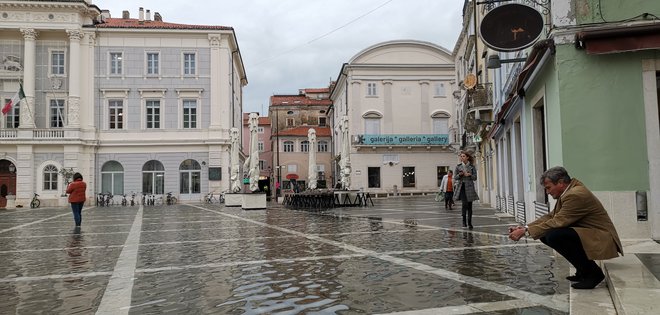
{"x": 105, "y": 14}
{"x": 125, "y": 14}
{"x": 141, "y": 16}
{"x": 148, "y": 18}
{"x": 157, "y": 17}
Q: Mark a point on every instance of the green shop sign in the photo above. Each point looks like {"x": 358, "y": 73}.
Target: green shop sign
{"x": 431, "y": 139}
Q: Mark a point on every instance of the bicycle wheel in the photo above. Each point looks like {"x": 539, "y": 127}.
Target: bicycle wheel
{"x": 35, "y": 203}
{"x": 124, "y": 202}
{"x": 173, "y": 200}
{"x": 111, "y": 202}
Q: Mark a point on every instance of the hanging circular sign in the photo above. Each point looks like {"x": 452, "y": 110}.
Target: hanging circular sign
{"x": 511, "y": 27}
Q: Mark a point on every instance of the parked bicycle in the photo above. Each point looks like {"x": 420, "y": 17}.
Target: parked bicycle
{"x": 210, "y": 198}
{"x": 109, "y": 200}
{"x": 170, "y": 200}
{"x": 100, "y": 200}
{"x": 132, "y": 199}
{"x": 124, "y": 201}
{"x": 35, "y": 203}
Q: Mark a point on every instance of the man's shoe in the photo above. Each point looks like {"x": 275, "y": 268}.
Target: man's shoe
{"x": 575, "y": 278}
{"x": 589, "y": 283}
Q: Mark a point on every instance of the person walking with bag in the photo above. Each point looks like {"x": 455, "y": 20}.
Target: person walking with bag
{"x": 447, "y": 188}
{"x": 466, "y": 174}
{"x": 76, "y": 191}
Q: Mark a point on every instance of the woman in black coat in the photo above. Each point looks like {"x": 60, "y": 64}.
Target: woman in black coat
{"x": 465, "y": 175}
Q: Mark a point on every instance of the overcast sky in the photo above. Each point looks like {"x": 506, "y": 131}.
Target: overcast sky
{"x": 287, "y": 45}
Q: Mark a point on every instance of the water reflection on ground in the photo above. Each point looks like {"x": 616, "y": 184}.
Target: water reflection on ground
{"x": 400, "y": 255}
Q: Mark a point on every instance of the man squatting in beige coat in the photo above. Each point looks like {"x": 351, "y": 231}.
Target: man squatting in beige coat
{"x": 578, "y": 228}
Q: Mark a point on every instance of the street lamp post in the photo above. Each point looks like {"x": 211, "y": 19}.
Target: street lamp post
{"x": 278, "y": 185}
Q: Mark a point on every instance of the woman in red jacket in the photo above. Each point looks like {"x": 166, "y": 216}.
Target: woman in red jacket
{"x": 76, "y": 191}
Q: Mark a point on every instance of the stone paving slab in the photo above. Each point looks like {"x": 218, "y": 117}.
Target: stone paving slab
{"x": 208, "y": 259}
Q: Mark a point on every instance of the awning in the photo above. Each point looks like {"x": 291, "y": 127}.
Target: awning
{"x": 292, "y": 176}
{"x": 619, "y": 39}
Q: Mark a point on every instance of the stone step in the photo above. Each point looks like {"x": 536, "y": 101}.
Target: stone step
{"x": 597, "y": 301}
{"x": 633, "y": 287}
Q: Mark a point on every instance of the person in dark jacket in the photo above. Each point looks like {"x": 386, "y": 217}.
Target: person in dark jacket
{"x": 465, "y": 175}
{"x": 76, "y": 191}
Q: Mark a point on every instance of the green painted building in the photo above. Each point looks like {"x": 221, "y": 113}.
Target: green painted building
{"x": 586, "y": 98}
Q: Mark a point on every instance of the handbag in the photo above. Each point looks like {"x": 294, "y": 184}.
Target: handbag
{"x": 440, "y": 196}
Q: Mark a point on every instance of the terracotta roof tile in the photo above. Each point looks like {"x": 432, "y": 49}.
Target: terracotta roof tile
{"x": 262, "y": 120}
{"x": 289, "y": 100}
{"x": 134, "y": 23}
{"x": 319, "y": 90}
{"x": 302, "y": 131}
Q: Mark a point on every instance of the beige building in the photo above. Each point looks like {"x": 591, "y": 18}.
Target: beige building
{"x": 135, "y": 104}
{"x": 291, "y": 117}
{"x": 397, "y": 96}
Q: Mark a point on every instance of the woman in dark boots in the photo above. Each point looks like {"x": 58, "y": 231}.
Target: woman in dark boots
{"x": 465, "y": 176}
{"x": 76, "y": 191}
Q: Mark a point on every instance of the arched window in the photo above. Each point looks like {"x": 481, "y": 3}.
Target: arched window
{"x": 50, "y": 177}
{"x": 190, "y": 177}
{"x": 372, "y": 121}
{"x": 441, "y": 122}
{"x": 322, "y": 146}
{"x": 112, "y": 178}
{"x": 288, "y": 146}
{"x": 304, "y": 146}
{"x": 153, "y": 177}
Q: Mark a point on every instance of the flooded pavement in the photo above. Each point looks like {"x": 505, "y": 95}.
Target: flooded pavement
{"x": 404, "y": 255}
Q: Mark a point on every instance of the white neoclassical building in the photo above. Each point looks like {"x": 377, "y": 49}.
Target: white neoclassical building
{"x": 397, "y": 97}
{"x": 134, "y": 103}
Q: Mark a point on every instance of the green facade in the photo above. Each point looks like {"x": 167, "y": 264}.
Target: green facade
{"x": 599, "y": 11}
{"x": 595, "y": 114}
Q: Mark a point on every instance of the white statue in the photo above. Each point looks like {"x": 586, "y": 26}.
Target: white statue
{"x": 252, "y": 163}
{"x": 345, "y": 161}
{"x": 312, "y": 176}
{"x": 235, "y": 176}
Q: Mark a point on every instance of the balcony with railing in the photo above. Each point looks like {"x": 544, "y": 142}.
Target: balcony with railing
{"x": 40, "y": 135}
{"x": 480, "y": 98}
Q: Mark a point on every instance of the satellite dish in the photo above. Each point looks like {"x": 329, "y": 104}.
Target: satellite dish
{"x": 511, "y": 27}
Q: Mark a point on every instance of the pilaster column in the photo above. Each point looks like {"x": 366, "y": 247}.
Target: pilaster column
{"x": 73, "y": 111}
{"x": 388, "y": 110}
{"x": 87, "y": 82}
{"x": 27, "y": 105}
{"x": 214, "y": 106}
{"x": 424, "y": 88}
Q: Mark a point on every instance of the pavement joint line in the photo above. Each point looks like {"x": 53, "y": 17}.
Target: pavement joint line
{"x": 491, "y": 286}
{"x": 93, "y": 225}
{"x": 118, "y": 291}
{"x": 51, "y": 277}
{"x": 403, "y": 252}
{"x": 58, "y": 249}
{"x": 33, "y": 222}
{"x": 59, "y": 235}
{"x": 469, "y": 308}
{"x": 216, "y": 240}
{"x": 251, "y": 262}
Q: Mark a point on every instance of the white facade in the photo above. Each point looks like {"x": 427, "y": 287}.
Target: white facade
{"x": 133, "y": 106}
{"x": 397, "y": 91}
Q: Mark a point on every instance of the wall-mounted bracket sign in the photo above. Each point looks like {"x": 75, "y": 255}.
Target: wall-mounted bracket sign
{"x": 511, "y": 27}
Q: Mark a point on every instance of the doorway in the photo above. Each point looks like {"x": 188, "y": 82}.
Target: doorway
{"x": 7, "y": 181}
